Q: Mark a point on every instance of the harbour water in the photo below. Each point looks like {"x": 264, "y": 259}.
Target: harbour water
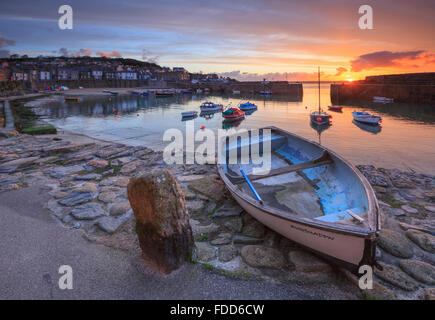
{"x": 405, "y": 139}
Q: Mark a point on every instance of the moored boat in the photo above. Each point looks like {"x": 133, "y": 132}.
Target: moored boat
{"x": 319, "y": 117}
{"x": 135, "y": 92}
{"x": 335, "y": 108}
{"x": 365, "y": 117}
{"x": 189, "y": 114}
{"x": 247, "y": 106}
{"x": 211, "y": 107}
{"x": 310, "y": 195}
{"x": 266, "y": 93}
{"x": 232, "y": 114}
{"x": 72, "y": 99}
{"x": 111, "y": 92}
{"x": 164, "y": 93}
{"x": 382, "y": 99}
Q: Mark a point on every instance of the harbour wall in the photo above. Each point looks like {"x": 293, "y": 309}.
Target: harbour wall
{"x": 278, "y": 88}
{"x": 411, "y": 88}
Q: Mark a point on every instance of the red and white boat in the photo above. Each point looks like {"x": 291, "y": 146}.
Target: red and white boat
{"x": 335, "y": 108}
{"x": 233, "y": 114}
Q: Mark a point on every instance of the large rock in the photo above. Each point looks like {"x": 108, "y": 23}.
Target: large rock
{"x": 395, "y": 243}
{"x": 373, "y": 176}
{"x": 429, "y": 294}
{"x": 19, "y": 162}
{"x": 195, "y": 207}
{"x": 422, "y": 239}
{"x": 8, "y": 133}
{"x": 88, "y": 211}
{"x": 199, "y": 229}
{"x": 204, "y": 251}
{"x": 227, "y": 253}
{"x": 234, "y": 224}
{"x": 110, "y": 224}
{"x": 209, "y": 186}
{"x": 307, "y": 262}
{"x": 75, "y": 198}
{"x": 162, "y": 220}
{"x": 419, "y": 270}
{"x": 118, "y": 209}
{"x": 254, "y": 229}
{"x": 396, "y": 277}
{"x": 262, "y": 257}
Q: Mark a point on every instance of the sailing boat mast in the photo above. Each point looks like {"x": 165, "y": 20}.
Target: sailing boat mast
{"x": 319, "y": 86}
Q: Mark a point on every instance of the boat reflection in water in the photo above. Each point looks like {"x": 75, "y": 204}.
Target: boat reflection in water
{"x": 187, "y": 118}
{"x": 249, "y": 112}
{"x": 228, "y": 124}
{"x": 320, "y": 128}
{"x": 207, "y": 115}
{"x": 367, "y": 127}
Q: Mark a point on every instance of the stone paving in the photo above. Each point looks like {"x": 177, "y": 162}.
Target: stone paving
{"x": 87, "y": 183}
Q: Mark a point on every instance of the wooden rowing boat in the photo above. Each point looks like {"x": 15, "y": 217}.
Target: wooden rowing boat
{"x": 310, "y": 195}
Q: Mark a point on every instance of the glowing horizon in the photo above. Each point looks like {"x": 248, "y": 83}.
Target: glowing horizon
{"x": 276, "y": 40}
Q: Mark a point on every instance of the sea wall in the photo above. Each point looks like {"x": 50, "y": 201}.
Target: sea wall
{"x": 278, "y": 88}
{"x": 409, "y": 87}
{"x": 424, "y": 94}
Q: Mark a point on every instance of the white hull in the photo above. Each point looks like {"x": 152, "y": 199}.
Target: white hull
{"x": 337, "y": 245}
{"x": 340, "y": 242}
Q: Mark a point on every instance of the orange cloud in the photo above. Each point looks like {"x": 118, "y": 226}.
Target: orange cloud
{"x": 113, "y": 54}
{"x": 388, "y": 59}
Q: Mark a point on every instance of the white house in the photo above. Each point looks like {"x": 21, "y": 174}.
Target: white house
{"x": 97, "y": 74}
{"x": 44, "y": 75}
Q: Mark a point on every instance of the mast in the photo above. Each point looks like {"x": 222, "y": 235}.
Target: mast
{"x": 319, "y": 86}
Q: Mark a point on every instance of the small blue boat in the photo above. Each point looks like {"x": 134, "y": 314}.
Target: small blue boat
{"x": 247, "y": 106}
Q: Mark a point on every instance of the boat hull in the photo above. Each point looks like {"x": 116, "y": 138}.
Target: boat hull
{"x": 320, "y": 119}
{"x": 347, "y": 245}
{"x": 347, "y": 250}
{"x": 335, "y": 108}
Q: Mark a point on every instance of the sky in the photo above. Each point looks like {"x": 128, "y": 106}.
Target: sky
{"x": 246, "y": 40}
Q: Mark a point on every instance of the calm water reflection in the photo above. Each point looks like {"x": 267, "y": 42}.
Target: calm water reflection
{"x": 405, "y": 140}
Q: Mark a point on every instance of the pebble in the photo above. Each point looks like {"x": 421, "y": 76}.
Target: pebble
{"x": 87, "y": 211}
{"x": 262, "y": 257}
{"x": 222, "y": 238}
{"x": 395, "y": 243}
{"x": 422, "y": 239}
{"x": 227, "y": 253}
{"x": 205, "y": 252}
{"x": 239, "y": 239}
{"x": 409, "y": 209}
{"x": 307, "y": 262}
{"x": 107, "y": 197}
{"x": 109, "y": 224}
{"x": 75, "y": 198}
{"x": 396, "y": 277}
{"x": 419, "y": 270}
{"x": 90, "y": 176}
{"x": 119, "y": 208}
